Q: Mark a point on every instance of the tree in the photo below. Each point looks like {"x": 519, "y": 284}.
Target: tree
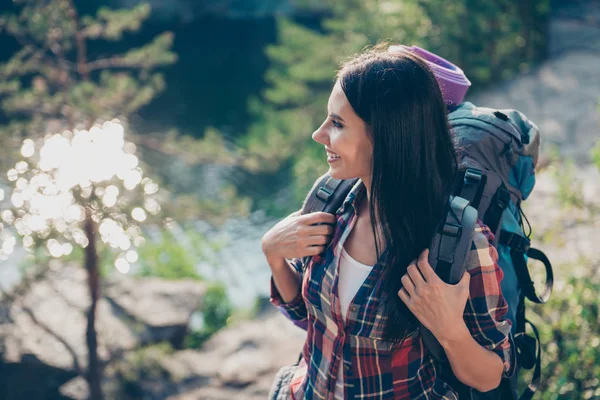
{"x": 50, "y": 83}
{"x": 67, "y": 196}
{"x": 51, "y": 87}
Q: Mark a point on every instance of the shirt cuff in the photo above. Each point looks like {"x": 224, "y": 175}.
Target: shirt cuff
{"x": 294, "y": 310}
{"x": 507, "y": 352}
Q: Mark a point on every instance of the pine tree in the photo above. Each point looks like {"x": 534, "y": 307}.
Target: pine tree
{"x": 50, "y": 85}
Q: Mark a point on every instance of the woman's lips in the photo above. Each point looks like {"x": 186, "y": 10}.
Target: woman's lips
{"x": 332, "y": 157}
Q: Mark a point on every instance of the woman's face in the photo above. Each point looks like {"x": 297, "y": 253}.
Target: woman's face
{"x": 344, "y": 135}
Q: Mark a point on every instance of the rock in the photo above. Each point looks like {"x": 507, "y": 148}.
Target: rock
{"x": 42, "y": 334}
{"x": 240, "y": 362}
{"x": 49, "y": 324}
{"x": 163, "y": 307}
{"x": 244, "y": 367}
{"x": 76, "y": 389}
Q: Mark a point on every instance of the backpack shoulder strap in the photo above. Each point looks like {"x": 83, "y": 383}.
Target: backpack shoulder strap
{"x": 470, "y": 184}
{"x": 448, "y": 255}
{"x": 327, "y": 194}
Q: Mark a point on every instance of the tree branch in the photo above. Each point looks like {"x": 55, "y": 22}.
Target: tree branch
{"x": 68, "y": 347}
{"x": 113, "y": 62}
{"x": 80, "y": 42}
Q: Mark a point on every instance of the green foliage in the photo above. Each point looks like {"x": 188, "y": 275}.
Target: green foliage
{"x": 216, "y": 310}
{"x": 142, "y": 365}
{"x": 166, "y": 258}
{"x": 570, "y": 190}
{"x": 569, "y": 327}
{"x": 489, "y": 40}
{"x": 111, "y": 24}
{"x": 215, "y": 211}
{"x": 50, "y": 82}
{"x": 596, "y": 155}
{"x": 569, "y": 323}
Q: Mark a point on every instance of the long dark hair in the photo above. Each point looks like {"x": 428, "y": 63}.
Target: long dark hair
{"x": 414, "y": 161}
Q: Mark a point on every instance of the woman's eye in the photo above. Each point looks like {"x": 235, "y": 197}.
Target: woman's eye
{"x": 336, "y": 124}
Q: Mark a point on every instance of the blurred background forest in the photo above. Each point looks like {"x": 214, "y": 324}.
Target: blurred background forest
{"x": 146, "y": 146}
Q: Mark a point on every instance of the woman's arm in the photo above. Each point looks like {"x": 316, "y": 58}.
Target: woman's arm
{"x": 472, "y": 364}
{"x": 286, "y": 294}
{"x": 294, "y": 237}
{"x": 466, "y": 318}
{"x": 285, "y": 278}
{"x": 486, "y": 308}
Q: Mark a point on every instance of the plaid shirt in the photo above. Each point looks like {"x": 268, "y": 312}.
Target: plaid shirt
{"x": 372, "y": 369}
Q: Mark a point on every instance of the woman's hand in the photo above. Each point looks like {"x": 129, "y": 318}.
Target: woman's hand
{"x": 298, "y": 236}
{"x": 436, "y": 304}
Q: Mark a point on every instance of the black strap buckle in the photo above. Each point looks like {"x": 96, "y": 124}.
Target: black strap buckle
{"x": 324, "y": 194}
{"x": 503, "y": 198}
{"x": 473, "y": 176}
{"x": 515, "y": 241}
{"x": 452, "y": 230}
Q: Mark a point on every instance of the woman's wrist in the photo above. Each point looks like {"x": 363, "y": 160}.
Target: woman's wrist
{"x": 266, "y": 248}
{"x": 275, "y": 261}
{"x": 455, "y": 335}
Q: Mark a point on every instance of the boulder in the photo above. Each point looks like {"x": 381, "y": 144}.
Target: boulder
{"x": 42, "y": 334}
{"x": 240, "y": 362}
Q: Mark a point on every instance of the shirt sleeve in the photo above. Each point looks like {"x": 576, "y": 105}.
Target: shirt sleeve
{"x": 294, "y": 310}
{"x": 485, "y": 313}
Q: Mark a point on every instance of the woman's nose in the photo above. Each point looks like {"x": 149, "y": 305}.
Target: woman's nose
{"x": 319, "y": 136}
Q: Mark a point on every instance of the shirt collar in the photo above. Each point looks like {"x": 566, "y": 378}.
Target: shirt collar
{"x": 353, "y": 195}
{"x": 351, "y": 199}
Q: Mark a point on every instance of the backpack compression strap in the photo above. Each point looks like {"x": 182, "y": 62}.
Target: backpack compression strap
{"x": 534, "y": 360}
{"x": 519, "y": 246}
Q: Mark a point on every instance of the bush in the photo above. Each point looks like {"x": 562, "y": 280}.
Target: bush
{"x": 569, "y": 327}
{"x": 166, "y": 258}
{"x": 215, "y": 311}
{"x": 569, "y": 323}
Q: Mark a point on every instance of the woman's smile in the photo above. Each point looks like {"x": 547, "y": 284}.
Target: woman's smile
{"x": 332, "y": 157}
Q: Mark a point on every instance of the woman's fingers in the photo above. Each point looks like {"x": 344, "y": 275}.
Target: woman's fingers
{"x": 408, "y": 284}
{"x": 318, "y": 240}
{"x": 424, "y": 267}
{"x": 320, "y": 230}
{"x": 315, "y": 250}
{"x": 320, "y": 217}
{"x": 415, "y": 275}
{"x": 404, "y": 296}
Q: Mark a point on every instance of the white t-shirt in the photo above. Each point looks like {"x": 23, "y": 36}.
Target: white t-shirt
{"x": 352, "y": 275}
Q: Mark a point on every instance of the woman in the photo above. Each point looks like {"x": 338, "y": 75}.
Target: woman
{"x": 364, "y": 292}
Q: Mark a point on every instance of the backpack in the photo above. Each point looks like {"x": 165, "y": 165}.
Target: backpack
{"x": 497, "y": 151}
